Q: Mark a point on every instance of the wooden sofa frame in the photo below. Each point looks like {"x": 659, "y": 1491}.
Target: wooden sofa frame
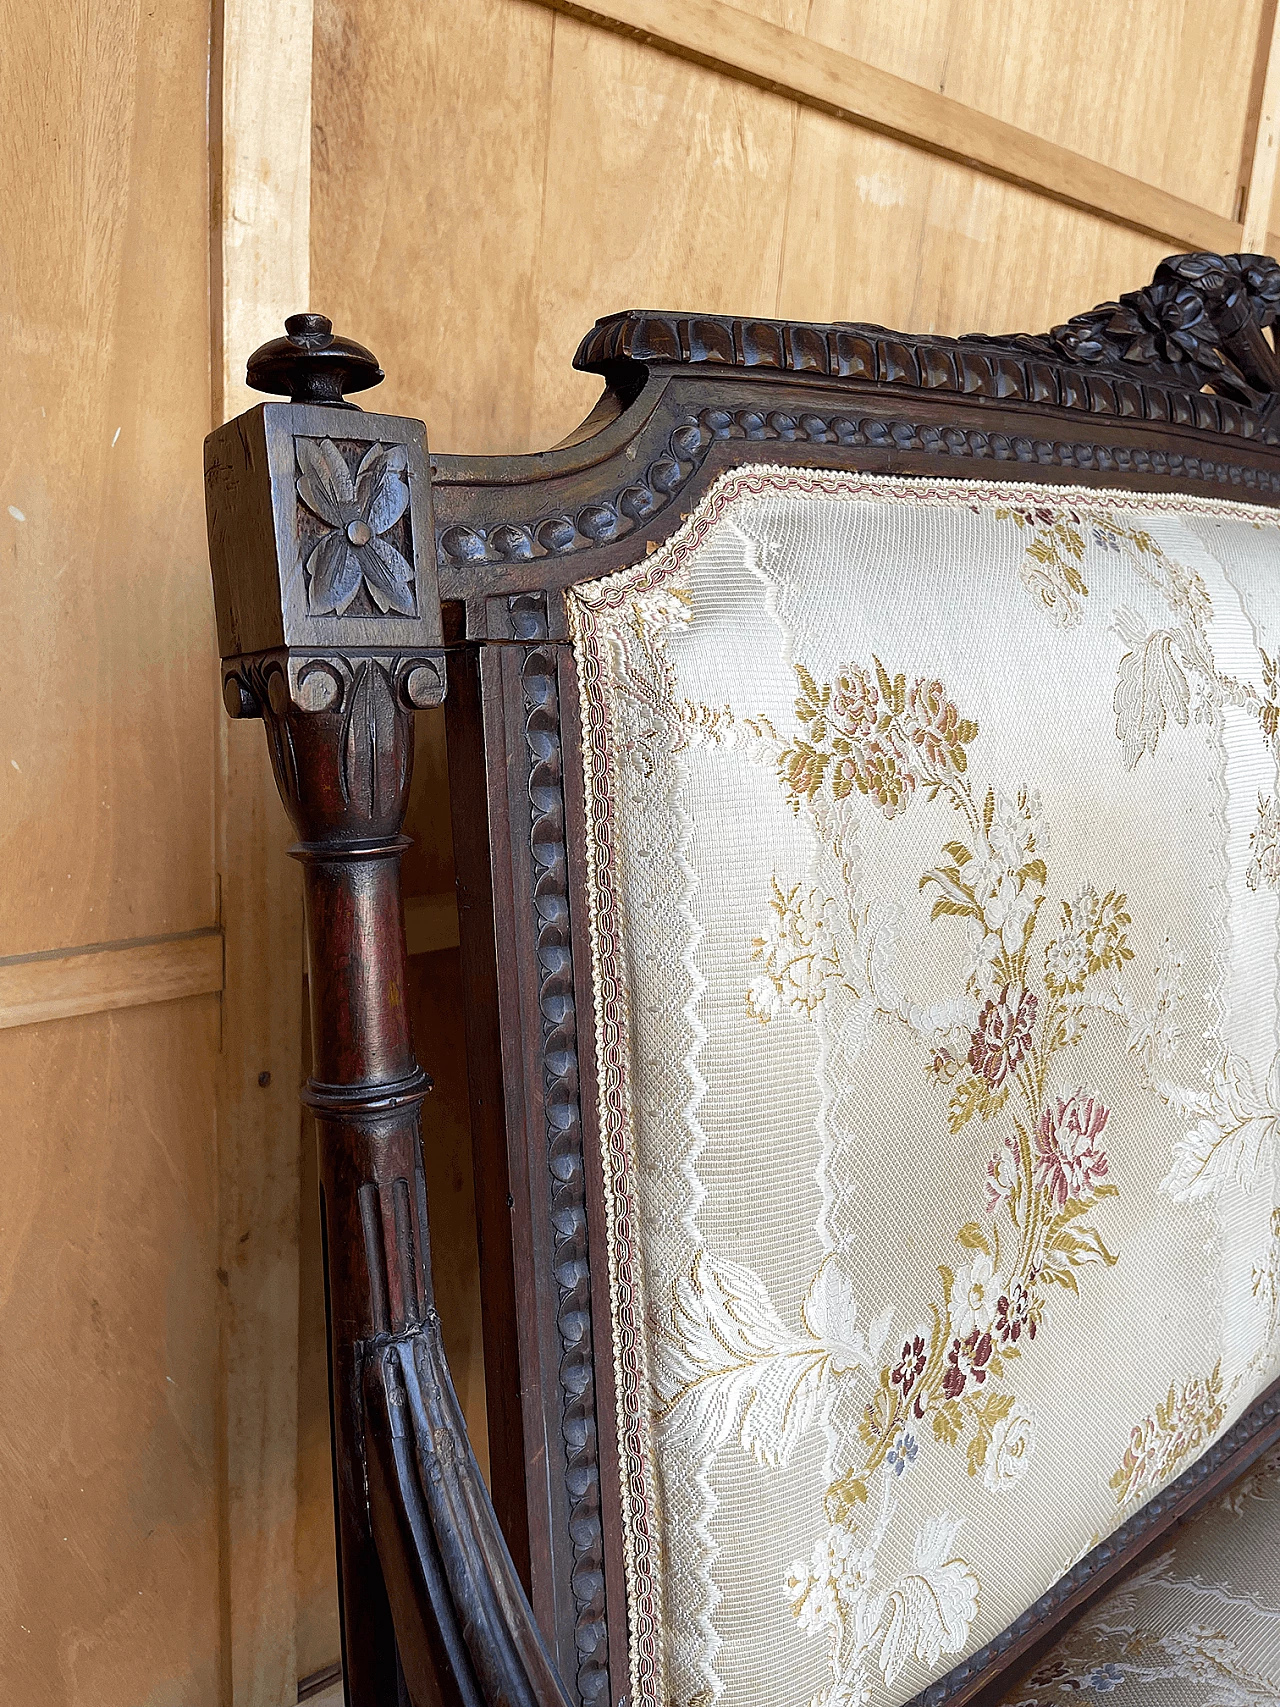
{"x": 447, "y": 1595}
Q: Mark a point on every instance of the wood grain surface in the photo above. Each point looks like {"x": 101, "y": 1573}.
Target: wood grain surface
{"x": 109, "y": 1528}
{"x": 106, "y": 976}
{"x": 260, "y": 160}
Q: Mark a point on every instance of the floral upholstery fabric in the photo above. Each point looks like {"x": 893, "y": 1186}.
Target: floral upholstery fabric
{"x": 1199, "y": 1627}
{"x": 934, "y": 853}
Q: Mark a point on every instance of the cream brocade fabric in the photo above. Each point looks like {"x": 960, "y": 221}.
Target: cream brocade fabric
{"x": 1199, "y": 1627}
{"x": 934, "y": 844}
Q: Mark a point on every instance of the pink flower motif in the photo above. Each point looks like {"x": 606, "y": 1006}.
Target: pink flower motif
{"x": 933, "y": 724}
{"x": 855, "y": 702}
{"x": 1068, "y": 1160}
{"x": 967, "y": 1362}
{"x": 1003, "y": 1034}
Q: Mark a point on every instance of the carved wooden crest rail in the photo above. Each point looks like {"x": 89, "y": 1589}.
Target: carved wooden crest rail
{"x": 356, "y": 578}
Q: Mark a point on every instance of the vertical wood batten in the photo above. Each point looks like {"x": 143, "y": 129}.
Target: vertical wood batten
{"x": 260, "y": 133}
{"x": 1261, "y": 181}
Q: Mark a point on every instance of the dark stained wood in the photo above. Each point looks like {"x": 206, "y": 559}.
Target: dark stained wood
{"x": 1116, "y": 397}
{"x": 1171, "y": 389}
{"x": 430, "y": 1600}
{"x": 609, "y": 1482}
{"x": 479, "y": 953}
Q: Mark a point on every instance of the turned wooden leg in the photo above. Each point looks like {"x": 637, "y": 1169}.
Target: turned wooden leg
{"x": 329, "y": 625}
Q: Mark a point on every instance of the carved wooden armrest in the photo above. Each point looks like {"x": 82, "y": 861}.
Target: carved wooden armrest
{"x": 329, "y": 626}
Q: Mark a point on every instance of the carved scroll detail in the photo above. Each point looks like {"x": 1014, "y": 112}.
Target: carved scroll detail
{"x": 565, "y": 1162}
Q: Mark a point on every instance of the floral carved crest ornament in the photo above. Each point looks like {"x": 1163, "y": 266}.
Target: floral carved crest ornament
{"x": 358, "y": 512}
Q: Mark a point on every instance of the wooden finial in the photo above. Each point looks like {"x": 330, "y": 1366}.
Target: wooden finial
{"x": 311, "y": 365}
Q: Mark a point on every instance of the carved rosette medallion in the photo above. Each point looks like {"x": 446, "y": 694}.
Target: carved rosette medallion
{"x": 353, "y": 528}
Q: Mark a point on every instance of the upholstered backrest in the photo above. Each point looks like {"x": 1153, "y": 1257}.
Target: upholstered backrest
{"x": 933, "y": 844}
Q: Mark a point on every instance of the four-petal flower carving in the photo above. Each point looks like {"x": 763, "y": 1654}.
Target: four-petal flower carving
{"x": 358, "y": 512}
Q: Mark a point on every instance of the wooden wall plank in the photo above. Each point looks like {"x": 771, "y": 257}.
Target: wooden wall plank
{"x": 721, "y": 36}
{"x": 108, "y": 728}
{"x": 1260, "y": 186}
{"x": 261, "y": 163}
{"x": 108, "y": 976}
{"x": 1159, "y": 92}
{"x": 430, "y": 149}
{"x": 926, "y": 244}
{"x": 700, "y": 164}
{"x": 261, "y": 145}
{"x": 108, "y": 1251}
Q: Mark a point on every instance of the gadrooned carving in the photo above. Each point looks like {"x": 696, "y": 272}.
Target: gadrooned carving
{"x": 1202, "y": 322}
{"x": 690, "y": 440}
{"x": 850, "y": 429}
{"x": 353, "y": 558}
{"x": 557, "y": 533}
{"x": 565, "y": 1162}
{"x": 1253, "y": 1424}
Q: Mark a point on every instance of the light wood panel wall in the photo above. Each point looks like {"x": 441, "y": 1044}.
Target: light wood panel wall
{"x": 109, "y": 1531}
{"x": 149, "y": 965}
{"x": 489, "y": 179}
{"x": 261, "y": 182}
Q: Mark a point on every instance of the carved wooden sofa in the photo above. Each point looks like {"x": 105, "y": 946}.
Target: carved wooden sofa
{"x": 866, "y": 810}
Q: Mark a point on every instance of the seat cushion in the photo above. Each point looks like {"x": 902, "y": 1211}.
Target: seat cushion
{"x": 1198, "y": 1627}
{"x": 933, "y": 846}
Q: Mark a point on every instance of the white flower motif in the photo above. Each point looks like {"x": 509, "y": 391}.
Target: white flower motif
{"x": 1264, "y": 866}
{"x": 1066, "y": 961}
{"x": 984, "y": 949}
{"x": 798, "y": 952}
{"x": 1007, "y": 911}
{"x": 1013, "y": 1442}
{"x": 1073, "y": 1021}
{"x": 974, "y": 1296}
{"x": 838, "y": 1572}
{"x": 1154, "y": 1032}
{"x": 1002, "y": 1175}
{"x": 1017, "y": 829}
{"x": 946, "y": 1023}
